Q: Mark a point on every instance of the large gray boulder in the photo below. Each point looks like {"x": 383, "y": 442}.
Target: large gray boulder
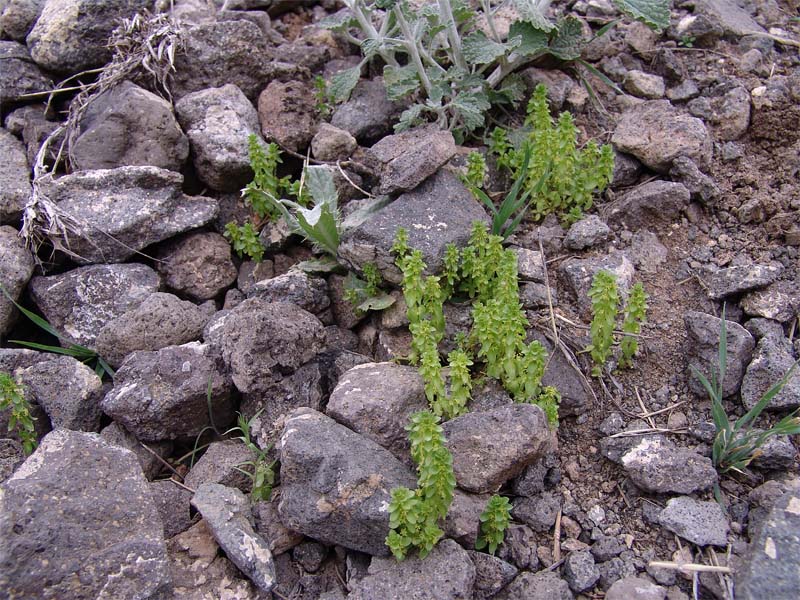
{"x": 703, "y": 350}
{"x": 336, "y": 484}
{"x": 408, "y": 158}
{"x": 438, "y": 212}
{"x": 217, "y": 53}
{"x": 262, "y": 341}
{"x": 164, "y": 395}
{"x": 161, "y": 320}
{"x": 123, "y": 210}
{"x": 16, "y": 268}
{"x": 15, "y": 178}
{"x": 77, "y": 520}
{"x": 297, "y": 287}
{"x": 656, "y": 133}
{"x": 128, "y": 126}
{"x": 377, "y": 400}
{"x": 447, "y": 573}
{"x": 227, "y": 513}
{"x": 492, "y": 447}
{"x": 218, "y": 122}
{"x": 19, "y": 75}
{"x": 80, "y": 302}
{"x": 72, "y": 35}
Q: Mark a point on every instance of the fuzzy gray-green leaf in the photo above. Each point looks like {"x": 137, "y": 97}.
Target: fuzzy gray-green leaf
{"x": 532, "y": 12}
{"x": 400, "y": 81}
{"x": 479, "y": 50}
{"x": 653, "y": 13}
{"x": 568, "y": 42}
{"x": 531, "y": 40}
{"x": 343, "y": 83}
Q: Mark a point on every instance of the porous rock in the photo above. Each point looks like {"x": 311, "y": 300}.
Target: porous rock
{"x": 128, "y": 125}
{"x": 15, "y": 178}
{"x": 160, "y": 320}
{"x": 438, "y": 212}
{"x": 376, "y": 400}
{"x": 735, "y": 280}
{"x": 218, "y": 122}
{"x": 151, "y": 462}
{"x": 580, "y": 571}
{"x": 16, "y": 268}
{"x": 579, "y": 274}
{"x": 219, "y": 465}
{"x": 447, "y": 573}
{"x": 63, "y": 536}
{"x": 492, "y": 447}
{"x": 658, "y": 466}
{"x": 772, "y": 359}
{"x": 123, "y": 210}
{"x": 701, "y": 523}
{"x": 198, "y": 265}
{"x": 586, "y": 233}
{"x": 288, "y": 114}
{"x": 492, "y": 574}
{"x": 660, "y": 201}
{"x": 545, "y": 585}
{"x": 657, "y": 133}
{"x": 368, "y": 114}
{"x": 17, "y": 17}
{"x": 227, "y": 513}
{"x": 297, "y": 287}
{"x": 163, "y": 395}
{"x": 635, "y": 588}
{"x": 80, "y": 302}
{"x": 336, "y": 484}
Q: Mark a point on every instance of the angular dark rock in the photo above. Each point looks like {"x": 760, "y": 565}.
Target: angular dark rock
{"x": 700, "y": 186}
{"x": 635, "y": 588}
{"x": 63, "y": 536}
{"x": 124, "y": 210}
{"x": 288, "y": 114}
{"x": 198, "y": 265}
{"x": 128, "y": 126}
{"x": 151, "y": 465}
{"x": 701, "y": 523}
{"x": 368, "y": 114}
{"x": 492, "y": 447}
{"x": 660, "y": 201}
{"x": 406, "y": 159}
{"x": 589, "y": 231}
{"x": 336, "y": 484}
{"x": 172, "y": 502}
{"x": 227, "y": 513}
{"x": 15, "y": 178}
{"x": 463, "y": 517}
{"x": 268, "y": 525}
{"x": 657, "y": 133}
{"x": 297, "y": 287}
{"x": 772, "y": 359}
{"x": 72, "y": 35}
{"x": 16, "y": 268}
{"x": 779, "y": 301}
{"x": 734, "y": 20}
{"x": 218, "y": 122}
{"x": 545, "y": 585}
{"x": 727, "y": 109}
{"x": 377, "y": 400}
{"x": 219, "y": 465}
{"x": 703, "y": 350}
{"x": 160, "y": 320}
{"x": 436, "y": 213}
{"x": 80, "y": 302}
{"x": 735, "y": 280}
{"x": 447, "y": 573}
{"x": 491, "y": 574}
{"x": 11, "y": 456}
{"x": 18, "y": 17}
{"x": 579, "y": 273}
{"x": 658, "y": 466}
{"x": 580, "y": 571}
{"x": 539, "y": 512}
{"x": 162, "y": 395}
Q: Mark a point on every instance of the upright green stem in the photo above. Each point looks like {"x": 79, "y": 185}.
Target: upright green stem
{"x": 452, "y": 33}
{"x": 411, "y": 46}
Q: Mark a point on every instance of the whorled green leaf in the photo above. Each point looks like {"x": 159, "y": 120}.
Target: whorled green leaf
{"x": 532, "y": 11}
{"x": 400, "y": 81}
{"x": 343, "y": 83}
{"x": 568, "y": 42}
{"x": 479, "y": 50}
{"x": 532, "y": 41}
{"x": 653, "y": 13}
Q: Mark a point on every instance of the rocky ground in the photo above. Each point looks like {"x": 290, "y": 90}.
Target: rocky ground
{"x": 116, "y": 503}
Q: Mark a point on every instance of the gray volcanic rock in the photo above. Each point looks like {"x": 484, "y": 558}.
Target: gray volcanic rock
{"x": 129, "y": 126}
{"x": 703, "y": 337}
{"x": 80, "y": 302}
{"x": 218, "y": 122}
{"x": 660, "y": 201}
{"x": 368, "y": 114}
{"x": 735, "y": 280}
{"x": 162, "y": 395}
{"x": 492, "y": 447}
{"x": 15, "y": 178}
{"x": 447, "y": 573}
{"x": 545, "y": 585}
{"x": 658, "y": 466}
{"x": 491, "y": 574}
{"x": 124, "y": 210}
{"x": 410, "y": 157}
{"x": 635, "y": 588}
{"x": 160, "y": 320}
{"x": 198, "y": 265}
{"x": 297, "y": 287}
{"x": 336, "y": 484}
{"x": 218, "y": 465}
{"x": 65, "y": 536}
{"x": 151, "y": 465}
{"x": 772, "y": 359}
{"x": 656, "y": 133}
{"x": 578, "y": 274}
{"x": 288, "y": 114}
{"x": 16, "y": 268}
{"x": 701, "y": 523}
{"x": 19, "y": 75}
{"x": 580, "y": 571}
{"x": 589, "y": 231}
{"x": 377, "y": 400}
{"x": 438, "y": 212}
{"x": 72, "y": 35}
{"x": 227, "y": 513}
{"x": 17, "y": 17}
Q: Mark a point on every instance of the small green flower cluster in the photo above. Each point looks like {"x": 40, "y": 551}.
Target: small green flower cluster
{"x": 570, "y": 175}
{"x": 414, "y": 515}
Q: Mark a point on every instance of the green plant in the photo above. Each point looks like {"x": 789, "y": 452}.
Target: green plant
{"x": 635, "y": 312}
{"x": 322, "y": 97}
{"x": 736, "y": 445}
{"x": 494, "y": 522}
{"x": 76, "y": 351}
{"x": 548, "y": 400}
{"x": 605, "y": 299}
{"x": 262, "y": 475}
{"x": 452, "y": 60}
{"x": 687, "y": 41}
{"x": 414, "y": 514}
{"x": 475, "y": 175}
{"x": 265, "y": 184}
{"x": 559, "y": 177}
{"x": 12, "y": 397}
{"x": 244, "y": 240}
{"x": 367, "y": 293}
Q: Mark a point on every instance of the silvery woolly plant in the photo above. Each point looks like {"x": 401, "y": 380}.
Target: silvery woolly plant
{"x": 451, "y": 57}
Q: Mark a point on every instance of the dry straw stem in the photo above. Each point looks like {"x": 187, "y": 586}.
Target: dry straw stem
{"x": 689, "y": 567}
